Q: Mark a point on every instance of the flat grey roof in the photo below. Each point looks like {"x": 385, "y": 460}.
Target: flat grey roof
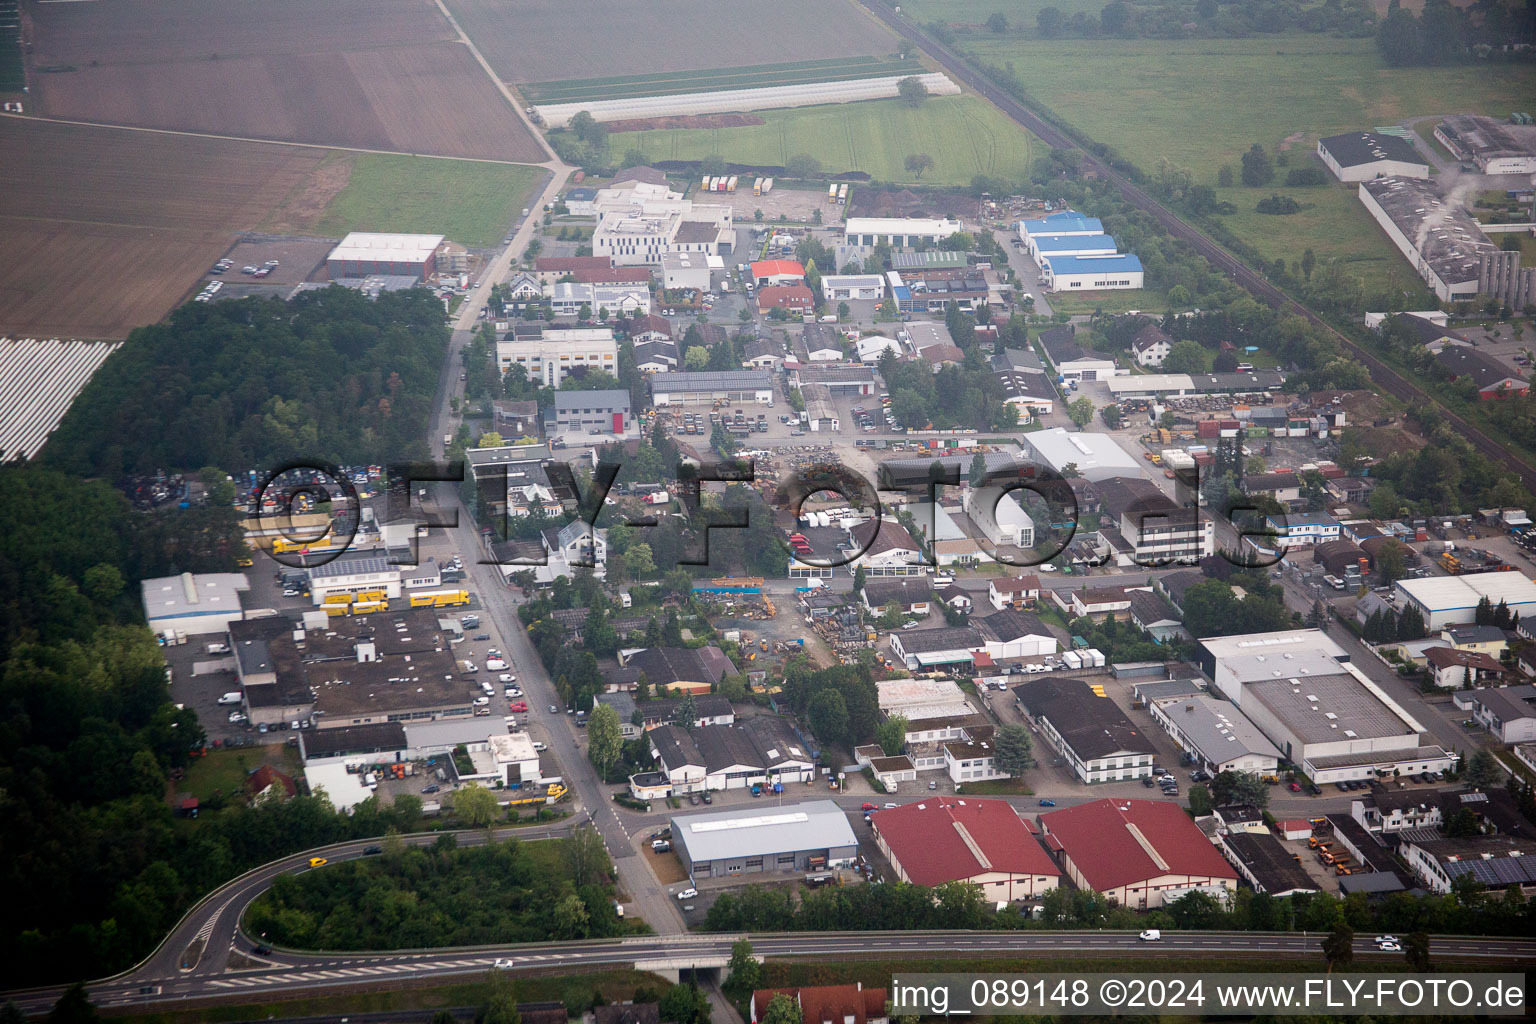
{"x": 1452, "y": 239}
{"x": 1218, "y": 729}
{"x": 354, "y": 565}
{"x": 723, "y": 380}
{"x": 751, "y": 832}
{"x": 1355, "y": 148}
{"x": 1342, "y": 706}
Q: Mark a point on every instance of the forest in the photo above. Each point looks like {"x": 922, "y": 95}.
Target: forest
{"x": 328, "y": 375}
{"x": 442, "y": 895}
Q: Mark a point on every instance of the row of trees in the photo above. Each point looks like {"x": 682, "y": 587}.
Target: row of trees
{"x": 1445, "y": 33}
{"x": 1184, "y": 19}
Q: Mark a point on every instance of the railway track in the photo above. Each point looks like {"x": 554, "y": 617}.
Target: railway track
{"x": 1387, "y": 378}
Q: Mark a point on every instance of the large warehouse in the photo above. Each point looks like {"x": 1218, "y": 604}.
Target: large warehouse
{"x": 1360, "y": 156}
{"x": 1496, "y": 147}
{"x": 364, "y": 253}
{"x": 1321, "y": 712}
{"x": 1096, "y": 272}
{"x": 812, "y": 836}
{"x": 735, "y": 386}
{"x": 1452, "y": 600}
{"x": 1048, "y": 246}
{"x": 982, "y": 842}
{"x": 1441, "y": 240}
{"x": 1096, "y": 456}
{"x": 198, "y": 604}
{"x": 898, "y": 231}
{"x": 1142, "y": 854}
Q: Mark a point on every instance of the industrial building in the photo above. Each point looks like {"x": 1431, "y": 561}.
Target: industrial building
{"x": 760, "y": 751}
{"x": 194, "y": 604}
{"x": 606, "y": 413}
{"x": 1489, "y": 377}
{"x": 845, "y": 287}
{"x": 794, "y": 298}
{"x": 820, "y": 414}
{"x": 643, "y": 224}
{"x": 512, "y": 481}
{"x": 1322, "y": 713}
{"x": 366, "y": 253}
{"x": 1452, "y": 600}
{"x": 1265, "y": 864}
{"x": 682, "y": 270}
{"x": 1360, "y": 156}
{"x": 569, "y": 298}
{"x": 1096, "y": 456}
{"x": 549, "y": 356}
{"x": 1044, "y": 247}
{"x": 984, "y": 843}
{"x": 810, "y": 836}
{"x": 1445, "y": 243}
{"x": 898, "y": 231}
{"x": 936, "y": 648}
{"x": 768, "y": 273}
{"x": 1098, "y": 272}
{"x": 1495, "y": 147}
{"x": 733, "y": 386}
{"x": 1071, "y": 360}
{"x": 353, "y": 572}
{"x": 1089, "y": 730}
{"x": 1055, "y": 225}
{"x": 1000, "y": 516}
{"x": 1216, "y": 734}
{"x": 839, "y": 380}
{"x": 1494, "y": 861}
{"x": 1142, "y": 854}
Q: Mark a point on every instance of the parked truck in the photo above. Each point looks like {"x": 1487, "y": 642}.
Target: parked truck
{"x": 767, "y": 185}
{"x": 1072, "y": 660}
{"x": 730, "y": 183}
{"x": 439, "y": 598}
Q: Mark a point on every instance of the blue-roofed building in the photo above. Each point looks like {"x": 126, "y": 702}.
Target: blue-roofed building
{"x": 1043, "y": 246}
{"x": 1092, "y": 273}
{"x": 905, "y": 302}
{"x": 1062, "y": 222}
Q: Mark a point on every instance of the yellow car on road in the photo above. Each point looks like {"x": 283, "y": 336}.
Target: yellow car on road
{"x": 317, "y": 862}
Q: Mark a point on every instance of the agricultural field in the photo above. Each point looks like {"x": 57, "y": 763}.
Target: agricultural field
{"x": 104, "y": 229}
{"x": 371, "y": 74}
{"x": 760, "y": 76}
{"x": 544, "y": 40}
{"x": 964, "y": 135}
{"x": 473, "y": 203}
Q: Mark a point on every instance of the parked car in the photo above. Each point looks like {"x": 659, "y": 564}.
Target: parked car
{"x": 434, "y": 788}
{"x": 867, "y": 806}
{"x": 539, "y": 746}
{"x": 518, "y": 706}
{"x": 1047, "y": 803}
{"x": 688, "y": 894}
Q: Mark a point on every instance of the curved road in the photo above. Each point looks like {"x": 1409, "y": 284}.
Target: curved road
{"x": 1385, "y": 377}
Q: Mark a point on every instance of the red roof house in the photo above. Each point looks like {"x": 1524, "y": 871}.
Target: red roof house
{"x": 1140, "y": 853}
{"x": 766, "y": 272}
{"x": 828, "y": 1004}
{"x": 266, "y": 778}
{"x": 794, "y": 297}
{"x": 960, "y": 839}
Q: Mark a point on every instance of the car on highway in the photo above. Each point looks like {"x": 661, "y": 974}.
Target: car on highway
{"x": 372, "y": 851}
{"x": 261, "y": 950}
{"x": 503, "y": 964}
{"x": 1382, "y": 940}
{"x": 318, "y": 862}
{"x": 1151, "y": 935}
{"x": 1047, "y": 803}
{"x": 1389, "y": 947}
{"x": 688, "y": 894}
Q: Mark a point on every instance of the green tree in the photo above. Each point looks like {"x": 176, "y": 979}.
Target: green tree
{"x": 1012, "y": 752}
{"x": 1230, "y": 787}
{"x": 696, "y": 358}
{"x": 802, "y": 165}
{"x": 476, "y": 805}
{"x": 1483, "y": 771}
{"x": 827, "y": 716}
{"x": 912, "y": 91}
{"x": 1049, "y": 22}
{"x": 1199, "y": 800}
{"x": 500, "y": 1006}
{"x": 1080, "y": 411}
{"x": 586, "y": 862}
{"x": 917, "y": 163}
{"x": 604, "y": 741}
{"x": 103, "y": 582}
{"x": 997, "y": 22}
{"x": 1224, "y": 176}
{"x": 1258, "y": 168}
{"x": 1112, "y": 416}
{"x": 1308, "y": 262}
{"x": 781, "y": 1010}
{"x": 639, "y": 562}
{"x": 490, "y": 439}
{"x": 891, "y": 734}
{"x": 745, "y": 970}
{"x": 1185, "y": 357}
{"x": 1391, "y": 560}
{"x": 687, "y": 713}
{"x": 844, "y": 311}
{"x": 1339, "y": 946}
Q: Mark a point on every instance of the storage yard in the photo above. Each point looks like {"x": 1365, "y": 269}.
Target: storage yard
{"x": 533, "y": 41}
{"x": 392, "y": 75}
{"x": 105, "y": 229}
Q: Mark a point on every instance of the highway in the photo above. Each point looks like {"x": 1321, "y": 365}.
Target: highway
{"x": 1384, "y": 376}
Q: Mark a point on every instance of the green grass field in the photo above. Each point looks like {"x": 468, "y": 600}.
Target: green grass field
{"x": 755, "y": 76}
{"x": 1334, "y": 225}
{"x": 964, "y": 135}
{"x": 472, "y": 202}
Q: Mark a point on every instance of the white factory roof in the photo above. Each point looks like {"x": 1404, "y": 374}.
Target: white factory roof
{"x": 1096, "y": 455}
{"x": 178, "y": 597}
{"x": 369, "y": 245}
{"x": 763, "y": 831}
{"x": 1147, "y": 383}
{"x": 900, "y": 693}
{"x": 1287, "y": 640}
{"x": 345, "y": 789}
{"x": 899, "y": 226}
{"x": 1447, "y": 593}
{"x": 1218, "y": 729}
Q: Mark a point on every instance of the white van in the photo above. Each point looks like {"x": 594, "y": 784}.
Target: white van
{"x": 1151, "y": 935}
{"x": 232, "y": 697}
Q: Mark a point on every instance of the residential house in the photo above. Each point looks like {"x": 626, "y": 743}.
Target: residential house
{"x": 1013, "y": 591}
{"x": 912, "y": 596}
{"x": 680, "y": 670}
{"x": 1151, "y": 346}
{"x": 1451, "y": 668}
{"x": 1155, "y": 615}
{"x": 884, "y": 548}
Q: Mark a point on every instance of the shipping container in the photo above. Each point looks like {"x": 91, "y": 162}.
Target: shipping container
{"x": 730, "y": 185}
{"x": 767, "y": 185}
{"x": 842, "y": 193}
{"x": 831, "y": 193}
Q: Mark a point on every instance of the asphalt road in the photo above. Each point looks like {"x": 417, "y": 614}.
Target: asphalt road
{"x": 291, "y": 974}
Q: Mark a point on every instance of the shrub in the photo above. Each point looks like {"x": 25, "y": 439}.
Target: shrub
{"x": 1278, "y": 204}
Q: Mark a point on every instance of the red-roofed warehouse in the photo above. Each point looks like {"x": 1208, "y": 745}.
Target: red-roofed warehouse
{"x": 984, "y": 842}
{"x": 1140, "y": 853}
{"x": 770, "y": 272}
